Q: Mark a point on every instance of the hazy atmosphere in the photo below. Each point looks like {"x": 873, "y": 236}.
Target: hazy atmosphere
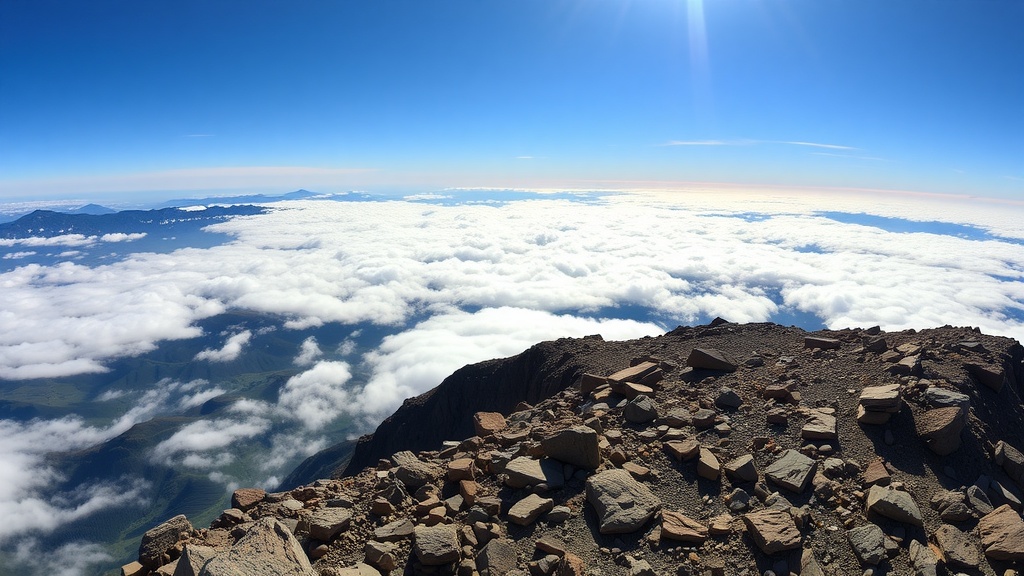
{"x": 345, "y": 202}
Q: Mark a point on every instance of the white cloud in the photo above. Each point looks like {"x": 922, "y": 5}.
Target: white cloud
{"x": 231, "y": 351}
{"x": 309, "y": 351}
{"x": 70, "y": 559}
{"x": 18, "y": 255}
{"x": 317, "y": 396}
{"x": 203, "y": 443}
{"x": 122, "y": 237}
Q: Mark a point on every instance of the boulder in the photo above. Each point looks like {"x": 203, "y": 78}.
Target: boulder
{"x": 792, "y": 470}
{"x": 326, "y": 523}
{"x": 267, "y": 548}
{"x": 711, "y": 359}
{"x": 578, "y": 446}
{"x": 192, "y": 560}
{"x": 436, "y": 545}
{"x": 246, "y": 498}
{"x": 461, "y": 469}
{"x": 773, "y": 530}
{"x": 412, "y": 471}
{"x": 158, "y": 541}
{"x": 1002, "y": 534}
{"x": 525, "y": 471}
{"x": 940, "y": 429}
{"x": 623, "y": 504}
{"x": 894, "y": 504}
{"x": 957, "y": 547}
{"x": 487, "y": 423}
{"x": 943, "y": 398}
{"x": 868, "y": 543}
{"x": 923, "y": 559}
{"x": 640, "y": 410}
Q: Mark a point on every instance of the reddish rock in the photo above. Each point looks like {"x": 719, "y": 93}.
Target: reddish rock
{"x": 1002, "y": 534}
{"x": 245, "y": 498}
{"x": 676, "y": 526}
{"x": 487, "y": 423}
{"x": 773, "y": 530}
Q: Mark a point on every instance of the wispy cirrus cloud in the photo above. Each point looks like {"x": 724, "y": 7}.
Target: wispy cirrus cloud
{"x": 851, "y": 156}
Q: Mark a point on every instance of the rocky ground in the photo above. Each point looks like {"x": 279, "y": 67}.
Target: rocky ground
{"x": 722, "y": 449}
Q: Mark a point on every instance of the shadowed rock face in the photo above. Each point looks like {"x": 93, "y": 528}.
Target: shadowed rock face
{"x": 571, "y": 484}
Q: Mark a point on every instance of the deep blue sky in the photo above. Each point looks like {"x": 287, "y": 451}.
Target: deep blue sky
{"x": 135, "y": 96}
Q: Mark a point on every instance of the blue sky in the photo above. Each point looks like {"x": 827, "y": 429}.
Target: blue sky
{"x": 107, "y": 97}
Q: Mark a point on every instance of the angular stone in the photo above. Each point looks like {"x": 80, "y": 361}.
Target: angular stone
{"x": 133, "y": 569}
{"x": 943, "y": 397}
{"x": 394, "y": 531}
{"x": 159, "y": 540}
{"x": 819, "y": 426}
{"x": 871, "y": 417}
{"x": 246, "y": 498}
{"x": 728, "y": 398}
{"x": 641, "y": 410}
{"x": 527, "y": 510}
{"x": 577, "y": 446}
{"x": 707, "y": 465}
{"x": 412, "y": 471}
{"x": 742, "y": 469}
{"x": 497, "y": 558}
{"x": 703, "y": 418}
{"x": 436, "y": 545}
{"x": 632, "y": 389}
{"x": 192, "y": 560}
{"x": 267, "y": 548}
{"x": 792, "y": 471}
{"x": 894, "y": 504}
{"x": 957, "y": 547}
{"x": 461, "y": 469}
{"x": 773, "y": 530}
{"x": 1012, "y": 461}
{"x": 881, "y": 398}
{"x": 820, "y": 342}
{"x": 525, "y": 471}
{"x": 940, "y": 429}
{"x": 1002, "y": 534}
{"x": 487, "y": 423}
{"x": 809, "y": 564}
{"x": 326, "y": 523}
{"x": 868, "y": 543}
{"x": 676, "y": 526}
{"x": 551, "y": 545}
{"x": 634, "y": 373}
{"x": 988, "y": 374}
{"x": 876, "y": 473}
{"x": 622, "y": 504}
{"x": 711, "y": 359}
{"x": 571, "y": 565}
{"x": 682, "y": 450}
{"x": 591, "y": 382}
{"x": 923, "y": 559}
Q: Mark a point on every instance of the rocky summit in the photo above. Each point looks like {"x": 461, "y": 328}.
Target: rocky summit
{"x": 722, "y": 449}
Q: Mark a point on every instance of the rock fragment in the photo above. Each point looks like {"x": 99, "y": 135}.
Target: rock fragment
{"x": 577, "y": 445}
{"x": 894, "y": 504}
{"x": 436, "y": 545}
{"x": 622, "y": 504}
{"x": 676, "y": 526}
{"x": 158, "y": 541}
{"x": 1002, "y": 534}
{"x": 773, "y": 530}
{"x": 711, "y": 359}
{"x": 940, "y": 429}
{"x": 267, "y": 548}
{"x": 792, "y": 470}
{"x": 527, "y": 510}
{"x": 487, "y": 423}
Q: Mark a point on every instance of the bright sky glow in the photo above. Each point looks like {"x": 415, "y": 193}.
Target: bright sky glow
{"x": 130, "y": 100}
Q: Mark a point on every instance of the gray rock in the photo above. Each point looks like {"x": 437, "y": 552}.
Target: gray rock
{"x": 577, "y": 446}
{"x": 641, "y": 410}
{"x": 622, "y": 504}
{"x": 157, "y": 541}
{"x": 412, "y": 471}
{"x": 394, "y": 531}
{"x": 894, "y": 504}
{"x": 741, "y": 469}
{"x": 497, "y": 558}
{"x": 943, "y": 397}
{"x": 868, "y": 543}
{"x": 819, "y": 426}
{"x": 957, "y": 547}
{"x": 267, "y": 549}
{"x": 436, "y": 545}
{"x": 711, "y": 359}
{"x": 728, "y": 398}
{"x": 382, "y": 555}
{"x": 978, "y": 500}
{"x": 703, "y": 418}
{"x": 792, "y": 470}
{"x": 192, "y": 560}
{"x": 923, "y": 559}
{"x": 325, "y": 524}
{"x": 525, "y": 471}
{"x": 1012, "y": 461}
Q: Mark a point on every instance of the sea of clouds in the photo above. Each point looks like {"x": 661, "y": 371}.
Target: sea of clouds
{"x": 457, "y": 283}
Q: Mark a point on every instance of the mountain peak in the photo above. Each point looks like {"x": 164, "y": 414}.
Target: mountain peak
{"x": 709, "y": 449}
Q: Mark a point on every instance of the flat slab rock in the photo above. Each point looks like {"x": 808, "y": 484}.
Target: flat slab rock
{"x": 773, "y": 530}
{"x": 676, "y": 526}
{"x": 577, "y": 445}
{"x": 623, "y": 505}
{"x": 436, "y": 545}
{"x": 527, "y": 510}
{"x": 792, "y": 470}
{"x": 711, "y": 359}
{"x": 868, "y": 543}
{"x": 819, "y": 426}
